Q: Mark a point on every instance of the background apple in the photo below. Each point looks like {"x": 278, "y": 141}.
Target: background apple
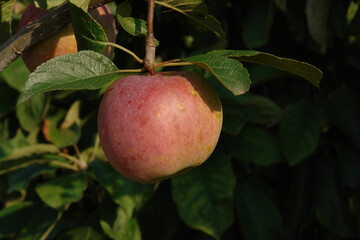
{"x": 154, "y": 127}
{"x": 63, "y": 41}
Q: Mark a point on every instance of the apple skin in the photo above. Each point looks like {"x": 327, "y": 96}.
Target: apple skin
{"x": 156, "y": 127}
{"x": 63, "y": 41}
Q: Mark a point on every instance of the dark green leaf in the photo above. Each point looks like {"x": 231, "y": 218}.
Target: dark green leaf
{"x": 230, "y": 72}
{"x": 232, "y": 124}
{"x": 19, "y": 179}
{"x": 32, "y": 113}
{"x": 317, "y": 12}
{"x": 7, "y": 98}
{"x": 10, "y": 216}
{"x": 343, "y": 109}
{"x": 16, "y": 74}
{"x": 7, "y": 147}
{"x": 259, "y": 217}
{"x": 128, "y": 194}
{"x": 40, "y": 219}
{"x": 302, "y": 69}
{"x": 331, "y": 205}
{"x": 255, "y": 145}
{"x": 134, "y": 26}
{"x": 300, "y": 131}
{"x": 60, "y": 191}
{"x": 204, "y": 196}
{"x": 197, "y": 14}
{"x": 82, "y": 233}
{"x": 31, "y": 151}
{"x": 81, "y": 70}
{"x": 89, "y": 34}
{"x": 257, "y": 22}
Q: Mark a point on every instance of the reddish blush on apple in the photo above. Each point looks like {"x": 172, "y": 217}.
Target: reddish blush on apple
{"x": 156, "y": 127}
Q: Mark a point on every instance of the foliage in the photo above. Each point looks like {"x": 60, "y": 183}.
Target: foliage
{"x": 287, "y": 163}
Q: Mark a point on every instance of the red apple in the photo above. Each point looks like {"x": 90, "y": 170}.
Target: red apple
{"x": 155, "y": 127}
{"x": 63, "y": 41}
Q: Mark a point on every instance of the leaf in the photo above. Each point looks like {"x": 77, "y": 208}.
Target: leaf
{"x": 89, "y": 34}
{"x": 232, "y": 124}
{"x": 19, "y": 179}
{"x": 81, "y": 70}
{"x": 255, "y": 145}
{"x": 47, "y": 4}
{"x": 302, "y": 69}
{"x": 7, "y": 99}
{"x": 197, "y": 14}
{"x": 31, "y": 151}
{"x": 7, "y": 147}
{"x": 300, "y": 131}
{"x": 60, "y": 191}
{"x": 32, "y": 113}
{"x": 16, "y": 74}
{"x": 317, "y": 12}
{"x": 257, "y": 22}
{"x": 259, "y": 217}
{"x": 342, "y": 108}
{"x": 281, "y": 4}
{"x": 6, "y": 9}
{"x": 9, "y": 218}
{"x": 230, "y": 72}
{"x": 204, "y": 196}
{"x": 41, "y": 219}
{"x": 82, "y": 233}
{"x": 128, "y": 194}
{"x": 331, "y": 204}
{"x": 69, "y": 132}
{"x": 134, "y": 26}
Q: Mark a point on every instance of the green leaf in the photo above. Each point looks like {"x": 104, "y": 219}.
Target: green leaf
{"x": 6, "y": 9}
{"x": 89, "y": 34}
{"x": 255, "y": 145}
{"x": 69, "y": 132}
{"x": 232, "y": 124}
{"x": 41, "y": 219}
{"x": 9, "y": 218}
{"x": 204, "y": 196}
{"x": 82, "y": 233}
{"x": 343, "y": 110}
{"x": 7, "y": 98}
{"x": 259, "y": 217}
{"x": 302, "y": 69}
{"x": 331, "y": 204}
{"x": 135, "y": 26}
{"x": 317, "y": 12}
{"x": 31, "y": 151}
{"x": 47, "y": 4}
{"x": 7, "y": 147}
{"x": 230, "y": 72}
{"x": 300, "y": 131}
{"x": 128, "y": 194}
{"x": 60, "y": 191}
{"x": 16, "y": 74}
{"x": 257, "y": 22}
{"x": 32, "y": 113}
{"x": 81, "y": 70}
{"x": 197, "y": 14}
{"x": 19, "y": 179}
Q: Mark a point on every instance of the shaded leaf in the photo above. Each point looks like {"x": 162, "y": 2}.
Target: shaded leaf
{"x": 317, "y": 12}
{"x": 9, "y": 218}
{"x": 89, "y": 34}
{"x": 7, "y": 98}
{"x": 82, "y": 233}
{"x": 349, "y": 164}
{"x": 259, "y": 217}
{"x": 230, "y": 72}
{"x": 81, "y": 70}
{"x": 255, "y": 145}
{"x": 62, "y": 190}
{"x": 128, "y": 194}
{"x": 197, "y": 14}
{"x": 16, "y": 74}
{"x": 257, "y": 22}
{"x": 302, "y": 69}
{"x": 232, "y": 124}
{"x": 8, "y": 146}
{"x": 300, "y": 131}
{"x": 32, "y": 113}
{"x": 204, "y": 196}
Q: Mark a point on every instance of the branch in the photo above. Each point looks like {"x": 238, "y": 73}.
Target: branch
{"x": 150, "y": 39}
{"x": 36, "y": 31}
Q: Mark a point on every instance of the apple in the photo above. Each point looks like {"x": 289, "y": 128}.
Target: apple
{"x": 63, "y": 41}
{"x": 156, "y": 127}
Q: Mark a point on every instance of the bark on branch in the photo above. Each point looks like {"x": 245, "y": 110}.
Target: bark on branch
{"x": 36, "y": 31}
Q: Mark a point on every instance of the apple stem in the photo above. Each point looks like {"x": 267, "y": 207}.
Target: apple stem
{"x": 150, "y": 39}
